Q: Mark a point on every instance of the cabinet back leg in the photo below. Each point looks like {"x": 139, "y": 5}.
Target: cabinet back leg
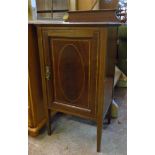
{"x": 109, "y": 114}
{"x": 49, "y": 122}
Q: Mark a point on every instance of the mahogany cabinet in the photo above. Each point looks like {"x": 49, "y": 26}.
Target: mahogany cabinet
{"x": 77, "y": 67}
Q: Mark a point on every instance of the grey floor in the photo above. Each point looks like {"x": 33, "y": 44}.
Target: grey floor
{"x": 75, "y": 136}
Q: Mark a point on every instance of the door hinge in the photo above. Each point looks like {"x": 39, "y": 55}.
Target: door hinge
{"x": 48, "y": 73}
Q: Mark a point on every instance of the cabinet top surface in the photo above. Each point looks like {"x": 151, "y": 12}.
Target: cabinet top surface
{"x": 62, "y": 23}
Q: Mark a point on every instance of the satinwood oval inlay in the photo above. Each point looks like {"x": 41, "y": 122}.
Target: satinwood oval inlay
{"x": 71, "y": 72}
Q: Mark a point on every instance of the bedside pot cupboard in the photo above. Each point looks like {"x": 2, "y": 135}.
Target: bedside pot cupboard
{"x": 77, "y": 67}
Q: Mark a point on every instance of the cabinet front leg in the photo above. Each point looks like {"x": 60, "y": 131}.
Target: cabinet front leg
{"x": 99, "y": 133}
{"x": 49, "y": 123}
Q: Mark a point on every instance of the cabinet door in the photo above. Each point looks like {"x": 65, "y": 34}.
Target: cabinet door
{"x": 72, "y": 57}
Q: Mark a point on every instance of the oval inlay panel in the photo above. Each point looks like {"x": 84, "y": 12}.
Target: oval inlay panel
{"x": 71, "y": 72}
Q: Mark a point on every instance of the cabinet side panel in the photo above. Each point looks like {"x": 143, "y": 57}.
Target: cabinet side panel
{"x": 111, "y": 54}
{"x": 30, "y": 112}
{"x": 35, "y": 76}
{"x": 111, "y": 51}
